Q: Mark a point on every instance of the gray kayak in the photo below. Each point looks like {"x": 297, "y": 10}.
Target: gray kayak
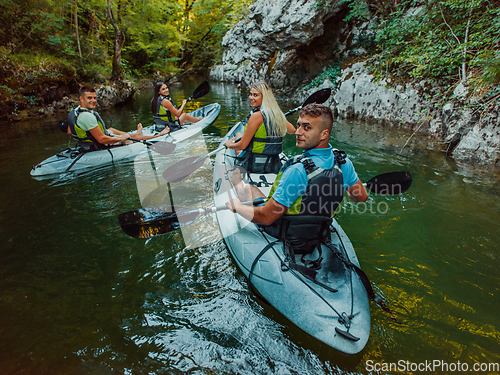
{"x": 73, "y": 159}
{"x": 338, "y": 314}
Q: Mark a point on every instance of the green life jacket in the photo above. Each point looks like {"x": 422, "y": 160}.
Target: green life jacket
{"x": 163, "y": 116}
{"x": 322, "y": 197}
{"x": 163, "y": 112}
{"x": 262, "y": 142}
{"x": 84, "y": 138}
{"x": 262, "y": 153}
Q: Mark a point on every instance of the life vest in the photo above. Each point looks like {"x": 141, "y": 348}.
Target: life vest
{"x": 262, "y": 143}
{"x": 163, "y": 112}
{"x": 323, "y": 195}
{"x": 84, "y": 138}
{"x": 163, "y": 116}
{"x": 262, "y": 153}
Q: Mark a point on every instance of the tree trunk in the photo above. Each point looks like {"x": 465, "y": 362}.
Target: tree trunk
{"x": 464, "y": 55}
{"x": 76, "y": 29}
{"x": 117, "y": 74}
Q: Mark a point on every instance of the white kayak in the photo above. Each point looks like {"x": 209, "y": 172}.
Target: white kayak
{"x": 339, "y": 317}
{"x": 73, "y": 159}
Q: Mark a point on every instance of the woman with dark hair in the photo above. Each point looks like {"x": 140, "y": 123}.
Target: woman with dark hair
{"x": 164, "y": 109}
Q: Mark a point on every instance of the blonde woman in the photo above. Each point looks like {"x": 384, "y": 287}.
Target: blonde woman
{"x": 265, "y": 127}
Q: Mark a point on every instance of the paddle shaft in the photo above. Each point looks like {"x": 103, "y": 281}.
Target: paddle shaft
{"x": 210, "y": 210}
{"x": 146, "y": 224}
{"x": 182, "y": 169}
{"x": 139, "y": 141}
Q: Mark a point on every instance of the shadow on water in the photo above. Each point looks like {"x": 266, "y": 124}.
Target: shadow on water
{"x": 78, "y": 296}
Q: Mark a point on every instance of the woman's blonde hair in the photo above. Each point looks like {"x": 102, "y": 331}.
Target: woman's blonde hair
{"x": 276, "y": 119}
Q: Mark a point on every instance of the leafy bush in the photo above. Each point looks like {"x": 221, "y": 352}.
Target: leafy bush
{"x": 449, "y": 41}
{"x": 331, "y": 72}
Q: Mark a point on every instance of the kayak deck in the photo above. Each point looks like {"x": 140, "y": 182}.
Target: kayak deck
{"x": 74, "y": 159}
{"x": 338, "y": 314}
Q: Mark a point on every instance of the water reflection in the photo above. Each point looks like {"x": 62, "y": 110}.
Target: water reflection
{"x": 80, "y": 296}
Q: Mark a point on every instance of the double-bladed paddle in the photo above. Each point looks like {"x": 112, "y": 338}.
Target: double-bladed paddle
{"x": 156, "y": 221}
{"x": 142, "y": 223}
{"x": 202, "y": 90}
{"x": 319, "y": 97}
{"x": 182, "y": 169}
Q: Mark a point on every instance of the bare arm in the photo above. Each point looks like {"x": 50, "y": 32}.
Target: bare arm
{"x": 176, "y": 112}
{"x": 357, "y": 192}
{"x": 254, "y": 123}
{"x": 290, "y": 129}
{"x": 106, "y": 139}
{"x": 265, "y": 215}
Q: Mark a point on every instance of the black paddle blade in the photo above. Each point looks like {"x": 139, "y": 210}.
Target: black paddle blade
{"x": 318, "y": 97}
{"x": 63, "y": 126}
{"x": 147, "y": 223}
{"x": 163, "y": 148}
{"x": 200, "y": 91}
{"x": 390, "y": 183}
{"x": 155, "y": 221}
{"x": 180, "y": 170}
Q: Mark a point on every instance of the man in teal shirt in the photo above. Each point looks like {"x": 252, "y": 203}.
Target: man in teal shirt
{"x": 313, "y": 133}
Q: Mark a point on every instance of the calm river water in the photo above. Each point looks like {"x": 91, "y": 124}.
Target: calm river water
{"x": 79, "y": 296}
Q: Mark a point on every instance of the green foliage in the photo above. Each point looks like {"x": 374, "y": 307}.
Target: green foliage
{"x": 444, "y": 40}
{"x": 163, "y": 36}
{"x": 358, "y": 9}
{"x": 208, "y": 23}
{"x": 331, "y": 72}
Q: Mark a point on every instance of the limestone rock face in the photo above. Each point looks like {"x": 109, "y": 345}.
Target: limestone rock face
{"x": 358, "y": 95}
{"x": 259, "y": 45}
{"x": 119, "y": 92}
{"x": 292, "y": 43}
{"x": 481, "y": 143}
{"x": 467, "y": 135}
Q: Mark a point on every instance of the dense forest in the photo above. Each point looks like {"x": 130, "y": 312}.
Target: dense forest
{"x": 65, "y": 42}
{"x": 44, "y": 42}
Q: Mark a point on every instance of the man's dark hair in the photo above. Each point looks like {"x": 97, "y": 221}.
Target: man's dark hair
{"x": 85, "y": 89}
{"x": 319, "y": 110}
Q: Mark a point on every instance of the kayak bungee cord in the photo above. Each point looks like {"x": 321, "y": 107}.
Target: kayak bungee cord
{"x": 368, "y": 286}
{"x": 344, "y": 320}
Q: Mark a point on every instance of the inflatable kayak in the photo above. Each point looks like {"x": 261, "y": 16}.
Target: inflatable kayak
{"x": 74, "y": 159}
{"x": 333, "y": 307}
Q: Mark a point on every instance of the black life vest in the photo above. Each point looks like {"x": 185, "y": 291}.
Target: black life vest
{"x": 323, "y": 195}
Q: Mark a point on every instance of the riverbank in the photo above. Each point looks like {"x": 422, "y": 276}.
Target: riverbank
{"x": 48, "y": 99}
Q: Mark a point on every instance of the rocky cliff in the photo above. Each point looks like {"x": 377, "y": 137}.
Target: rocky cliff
{"x": 293, "y": 43}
